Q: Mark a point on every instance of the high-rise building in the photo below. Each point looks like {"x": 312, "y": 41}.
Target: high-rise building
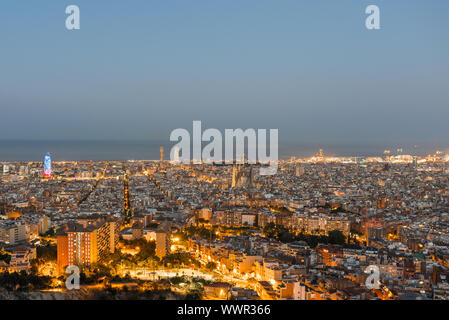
{"x": 163, "y": 235}
{"x": 62, "y": 251}
{"x": 14, "y": 234}
{"x": 44, "y": 225}
{"x": 86, "y": 242}
{"x": 77, "y": 246}
{"x": 161, "y": 154}
{"x": 47, "y": 165}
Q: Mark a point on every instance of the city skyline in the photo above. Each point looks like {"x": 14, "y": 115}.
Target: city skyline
{"x": 313, "y": 231}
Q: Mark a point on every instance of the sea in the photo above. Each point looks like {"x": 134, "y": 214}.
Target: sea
{"x": 121, "y": 150}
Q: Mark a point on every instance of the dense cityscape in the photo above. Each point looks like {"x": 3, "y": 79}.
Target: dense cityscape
{"x": 163, "y": 230}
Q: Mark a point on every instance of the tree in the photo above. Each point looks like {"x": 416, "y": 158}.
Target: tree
{"x": 50, "y": 233}
{"x": 202, "y": 231}
{"x": 5, "y": 257}
{"x": 336, "y": 237}
{"x": 272, "y": 230}
{"x": 179, "y": 259}
{"x": 286, "y": 237}
{"x": 47, "y": 253}
{"x": 22, "y": 280}
{"x": 211, "y": 266}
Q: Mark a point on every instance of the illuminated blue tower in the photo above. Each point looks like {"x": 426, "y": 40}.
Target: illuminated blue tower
{"x": 47, "y": 165}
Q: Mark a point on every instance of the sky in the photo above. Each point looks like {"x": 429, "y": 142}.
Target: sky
{"x": 138, "y": 69}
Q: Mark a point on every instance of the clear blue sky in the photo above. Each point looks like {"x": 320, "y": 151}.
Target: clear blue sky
{"x": 138, "y": 69}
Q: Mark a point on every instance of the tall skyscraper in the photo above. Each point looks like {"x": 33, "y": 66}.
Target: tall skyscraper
{"x": 161, "y": 156}
{"x": 47, "y": 165}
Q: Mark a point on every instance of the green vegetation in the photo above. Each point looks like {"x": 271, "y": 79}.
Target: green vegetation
{"x": 23, "y": 281}
{"x": 5, "y": 257}
{"x": 336, "y": 237}
{"x": 147, "y": 248}
{"x": 211, "y": 266}
{"x": 50, "y": 233}
{"x": 153, "y": 225}
{"x": 272, "y": 230}
{"x": 145, "y": 258}
{"x": 201, "y": 221}
{"x": 181, "y": 235}
{"x": 137, "y": 294}
{"x": 244, "y": 230}
{"x": 282, "y": 234}
{"x": 202, "y": 232}
{"x": 47, "y": 253}
{"x": 180, "y": 259}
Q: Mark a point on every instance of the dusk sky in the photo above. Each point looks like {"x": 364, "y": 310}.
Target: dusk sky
{"x": 139, "y": 69}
